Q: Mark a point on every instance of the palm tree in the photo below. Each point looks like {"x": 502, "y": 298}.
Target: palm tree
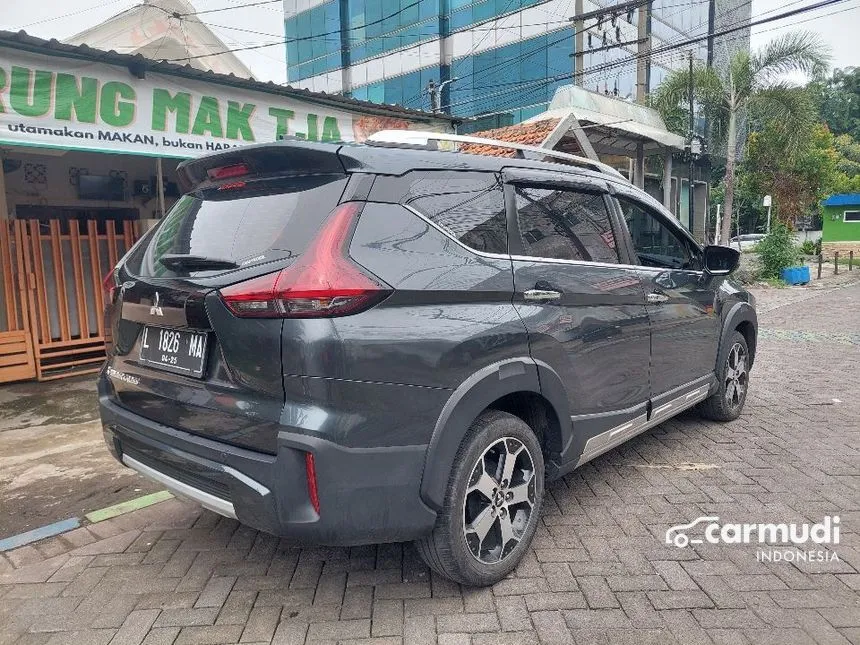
{"x": 755, "y": 82}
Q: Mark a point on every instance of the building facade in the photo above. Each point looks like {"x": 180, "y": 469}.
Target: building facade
{"x": 840, "y": 225}
{"x": 507, "y": 56}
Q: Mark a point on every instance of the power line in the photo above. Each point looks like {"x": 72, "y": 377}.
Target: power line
{"x": 726, "y": 31}
{"x": 303, "y": 38}
{"x": 561, "y": 77}
{"x": 541, "y": 48}
{"x": 71, "y": 13}
{"x": 238, "y": 6}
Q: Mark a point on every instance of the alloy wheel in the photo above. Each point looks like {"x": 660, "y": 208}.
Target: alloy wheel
{"x": 736, "y": 375}
{"x": 500, "y": 500}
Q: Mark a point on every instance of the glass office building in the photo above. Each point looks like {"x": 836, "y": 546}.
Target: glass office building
{"x": 507, "y": 56}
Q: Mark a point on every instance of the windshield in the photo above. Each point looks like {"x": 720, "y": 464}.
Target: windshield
{"x": 237, "y": 228}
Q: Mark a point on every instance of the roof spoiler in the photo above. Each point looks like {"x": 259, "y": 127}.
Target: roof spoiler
{"x": 259, "y": 161}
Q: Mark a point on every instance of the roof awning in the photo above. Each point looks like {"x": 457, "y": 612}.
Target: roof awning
{"x": 613, "y": 126}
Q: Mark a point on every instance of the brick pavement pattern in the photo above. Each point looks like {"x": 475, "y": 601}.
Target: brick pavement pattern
{"x": 598, "y": 572}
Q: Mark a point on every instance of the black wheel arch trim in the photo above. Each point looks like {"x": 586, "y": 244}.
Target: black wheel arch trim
{"x": 740, "y": 312}
{"x": 472, "y": 397}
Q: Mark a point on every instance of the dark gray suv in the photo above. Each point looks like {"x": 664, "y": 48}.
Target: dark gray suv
{"x": 350, "y": 344}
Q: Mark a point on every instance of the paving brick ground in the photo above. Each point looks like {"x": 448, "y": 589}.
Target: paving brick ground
{"x": 598, "y": 572}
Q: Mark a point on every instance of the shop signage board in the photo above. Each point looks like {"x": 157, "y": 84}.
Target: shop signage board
{"x": 61, "y": 102}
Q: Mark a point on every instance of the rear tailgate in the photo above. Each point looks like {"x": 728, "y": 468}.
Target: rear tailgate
{"x": 178, "y": 356}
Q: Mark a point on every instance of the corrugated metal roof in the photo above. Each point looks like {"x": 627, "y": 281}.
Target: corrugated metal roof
{"x": 138, "y": 64}
{"x": 845, "y": 199}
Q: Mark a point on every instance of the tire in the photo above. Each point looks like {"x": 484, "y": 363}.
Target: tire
{"x": 727, "y": 402}
{"x": 472, "y": 560}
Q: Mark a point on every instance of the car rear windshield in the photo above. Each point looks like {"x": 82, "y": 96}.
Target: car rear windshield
{"x": 245, "y": 226}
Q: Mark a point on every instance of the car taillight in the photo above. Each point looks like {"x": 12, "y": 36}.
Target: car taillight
{"x": 228, "y": 172}
{"x": 324, "y": 282}
{"x": 109, "y": 286}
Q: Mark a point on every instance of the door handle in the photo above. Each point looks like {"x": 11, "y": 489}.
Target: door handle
{"x": 655, "y": 298}
{"x": 541, "y": 295}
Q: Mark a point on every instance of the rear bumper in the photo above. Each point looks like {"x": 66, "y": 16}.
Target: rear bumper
{"x": 366, "y": 496}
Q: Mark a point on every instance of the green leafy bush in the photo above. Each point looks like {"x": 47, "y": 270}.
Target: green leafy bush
{"x": 777, "y": 251}
{"x": 808, "y": 247}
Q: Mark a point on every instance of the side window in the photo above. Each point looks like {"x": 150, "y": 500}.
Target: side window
{"x": 565, "y": 225}
{"x": 469, "y": 205}
{"x": 655, "y": 243}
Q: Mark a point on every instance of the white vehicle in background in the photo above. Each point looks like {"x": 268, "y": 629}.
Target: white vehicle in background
{"x": 746, "y": 242}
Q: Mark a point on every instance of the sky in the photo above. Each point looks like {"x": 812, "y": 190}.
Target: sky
{"x": 60, "y": 19}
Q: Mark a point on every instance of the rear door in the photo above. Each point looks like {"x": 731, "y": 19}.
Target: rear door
{"x": 680, "y": 298}
{"x": 583, "y": 309}
{"x": 178, "y": 355}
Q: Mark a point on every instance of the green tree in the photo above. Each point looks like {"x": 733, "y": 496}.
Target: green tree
{"x": 797, "y": 179}
{"x": 849, "y": 155}
{"x": 751, "y": 81}
{"x": 838, "y": 99}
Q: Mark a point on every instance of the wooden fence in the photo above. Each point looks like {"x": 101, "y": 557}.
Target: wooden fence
{"x": 52, "y": 274}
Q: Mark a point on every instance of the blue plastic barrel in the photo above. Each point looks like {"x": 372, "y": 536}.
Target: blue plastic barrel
{"x": 795, "y": 275}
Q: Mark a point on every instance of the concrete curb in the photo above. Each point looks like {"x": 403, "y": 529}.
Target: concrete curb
{"x": 94, "y": 517}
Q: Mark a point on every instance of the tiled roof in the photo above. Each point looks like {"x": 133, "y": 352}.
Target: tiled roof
{"x": 529, "y": 134}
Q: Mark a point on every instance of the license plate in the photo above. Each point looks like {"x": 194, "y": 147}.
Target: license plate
{"x": 174, "y": 350}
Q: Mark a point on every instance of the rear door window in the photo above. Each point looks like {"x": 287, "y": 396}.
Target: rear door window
{"x": 468, "y": 205}
{"x": 267, "y": 222}
{"x": 565, "y": 224}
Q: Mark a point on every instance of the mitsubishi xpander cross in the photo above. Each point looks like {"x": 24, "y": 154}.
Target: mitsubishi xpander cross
{"x": 352, "y": 344}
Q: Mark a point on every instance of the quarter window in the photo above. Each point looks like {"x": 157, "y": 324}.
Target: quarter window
{"x": 852, "y": 216}
{"x": 565, "y": 225}
{"x": 655, "y": 243}
{"x": 469, "y": 205}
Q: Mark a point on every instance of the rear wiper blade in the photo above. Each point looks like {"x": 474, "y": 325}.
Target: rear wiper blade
{"x": 178, "y": 261}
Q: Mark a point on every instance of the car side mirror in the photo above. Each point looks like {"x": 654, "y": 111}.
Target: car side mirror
{"x": 720, "y": 260}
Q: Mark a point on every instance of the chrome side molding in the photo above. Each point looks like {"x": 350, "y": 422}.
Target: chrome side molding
{"x": 613, "y": 437}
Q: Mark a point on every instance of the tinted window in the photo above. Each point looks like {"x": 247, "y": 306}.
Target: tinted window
{"x": 565, "y": 225}
{"x": 655, "y": 243}
{"x": 249, "y": 226}
{"x": 469, "y": 205}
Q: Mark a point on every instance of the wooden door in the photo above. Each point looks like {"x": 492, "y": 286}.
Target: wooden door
{"x": 17, "y": 357}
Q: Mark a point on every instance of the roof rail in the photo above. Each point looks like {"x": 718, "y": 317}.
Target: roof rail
{"x": 428, "y": 141}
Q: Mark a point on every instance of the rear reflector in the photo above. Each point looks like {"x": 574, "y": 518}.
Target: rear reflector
{"x": 228, "y": 172}
{"x": 324, "y": 282}
{"x": 311, "y": 471}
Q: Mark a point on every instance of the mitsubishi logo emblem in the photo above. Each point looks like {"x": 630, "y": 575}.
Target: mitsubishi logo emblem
{"x": 155, "y": 309}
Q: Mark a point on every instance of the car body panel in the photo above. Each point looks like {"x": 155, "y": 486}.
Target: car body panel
{"x": 383, "y": 399}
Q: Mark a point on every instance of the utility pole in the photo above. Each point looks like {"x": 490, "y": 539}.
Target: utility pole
{"x": 690, "y": 191}
{"x": 617, "y": 10}
{"x": 643, "y": 60}
{"x": 712, "y": 20}
{"x": 578, "y": 44}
